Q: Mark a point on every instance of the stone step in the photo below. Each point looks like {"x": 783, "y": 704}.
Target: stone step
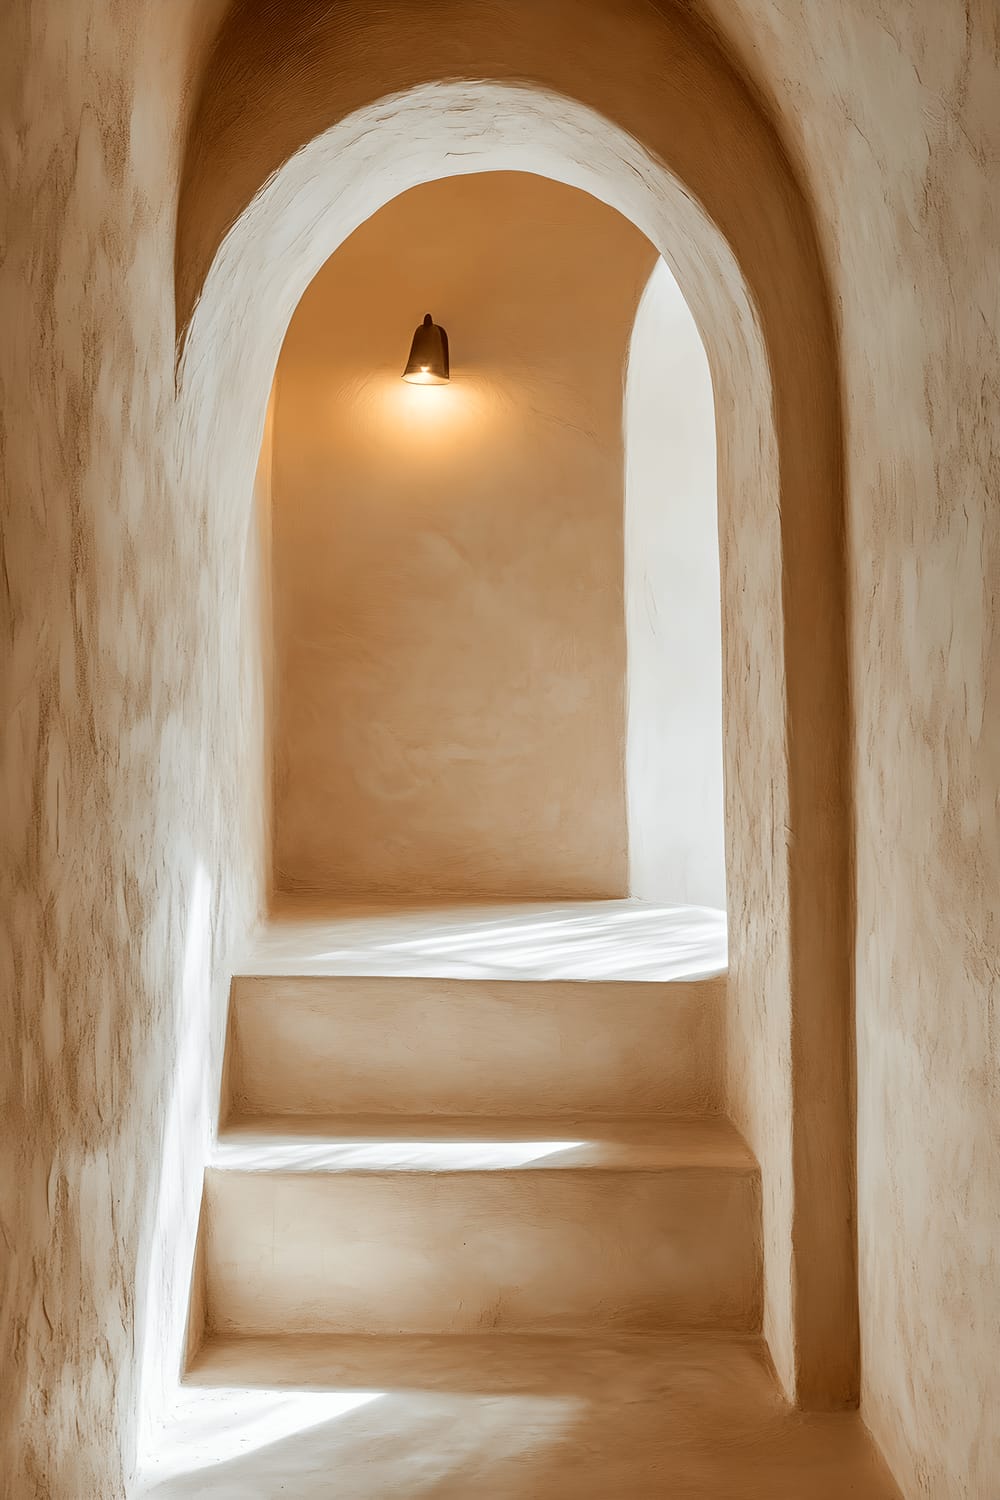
{"x": 469, "y": 1225}
{"x": 343, "y": 1045}
{"x": 592, "y": 1417}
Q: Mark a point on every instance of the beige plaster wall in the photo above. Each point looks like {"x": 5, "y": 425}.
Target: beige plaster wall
{"x": 448, "y": 561}
{"x": 888, "y": 110}
{"x": 892, "y": 111}
{"x": 132, "y": 847}
{"x": 673, "y": 609}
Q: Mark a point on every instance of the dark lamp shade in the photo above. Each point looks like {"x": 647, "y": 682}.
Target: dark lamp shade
{"x": 428, "y": 361}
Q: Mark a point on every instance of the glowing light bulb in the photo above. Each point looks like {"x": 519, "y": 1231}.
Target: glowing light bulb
{"x": 428, "y": 361}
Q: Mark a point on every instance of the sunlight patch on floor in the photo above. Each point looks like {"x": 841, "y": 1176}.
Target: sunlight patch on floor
{"x": 233, "y": 1444}
{"x": 210, "y": 1426}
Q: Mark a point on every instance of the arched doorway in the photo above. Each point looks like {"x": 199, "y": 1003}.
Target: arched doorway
{"x": 719, "y": 202}
{"x": 498, "y": 657}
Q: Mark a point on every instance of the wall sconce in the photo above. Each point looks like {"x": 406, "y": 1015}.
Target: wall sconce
{"x": 428, "y": 361}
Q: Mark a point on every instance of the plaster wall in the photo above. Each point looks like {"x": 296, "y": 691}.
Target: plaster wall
{"x": 891, "y": 110}
{"x": 673, "y": 609}
{"x": 448, "y": 560}
{"x": 132, "y": 851}
{"x": 888, "y": 110}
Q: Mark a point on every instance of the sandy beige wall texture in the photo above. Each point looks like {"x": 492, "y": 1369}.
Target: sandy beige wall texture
{"x": 157, "y": 721}
{"x": 131, "y": 847}
{"x": 888, "y": 112}
{"x": 448, "y": 561}
{"x": 893, "y": 110}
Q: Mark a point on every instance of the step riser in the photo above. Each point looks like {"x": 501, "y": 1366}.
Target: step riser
{"x": 385, "y": 1253}
{"x": 325, "y": 1045}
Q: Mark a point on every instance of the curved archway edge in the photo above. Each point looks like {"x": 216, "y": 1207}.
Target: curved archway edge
{"x": 663, "y": 132}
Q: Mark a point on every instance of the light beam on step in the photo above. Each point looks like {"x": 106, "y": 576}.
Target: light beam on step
{"x": 208, "y": 1426}
{"x": 269, "y": 1155}
{"x": 618, "y": 941}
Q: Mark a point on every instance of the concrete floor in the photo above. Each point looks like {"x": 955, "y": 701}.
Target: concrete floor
{"x": 512, "y": 1417}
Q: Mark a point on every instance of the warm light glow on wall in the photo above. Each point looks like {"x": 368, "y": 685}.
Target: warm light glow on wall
{"x": 400, "y": 414}
{"x": 418, "y": 407}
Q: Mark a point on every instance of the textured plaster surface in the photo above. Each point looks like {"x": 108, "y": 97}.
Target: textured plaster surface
{"x": 892, "y": 110}
{"x": 138, "y": 822}
{"x": 673, "y": 611}
{"x": 448, "y": 560}
{"x": 888, "y": 110}
{"x": 132, "y": 847}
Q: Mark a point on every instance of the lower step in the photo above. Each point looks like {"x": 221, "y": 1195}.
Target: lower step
{"x": 457, "y": 1226}
{"x": 607, "y": 1417}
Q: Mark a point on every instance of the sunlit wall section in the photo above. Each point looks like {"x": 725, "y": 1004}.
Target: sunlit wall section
{"x": 672, "y": 605}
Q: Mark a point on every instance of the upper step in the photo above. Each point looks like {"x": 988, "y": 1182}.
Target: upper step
{"x": 325, "y": 1044}
{"x": 616, "y": 939}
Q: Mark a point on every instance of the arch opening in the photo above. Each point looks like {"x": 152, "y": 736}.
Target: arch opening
{"x": 471, "y": 584}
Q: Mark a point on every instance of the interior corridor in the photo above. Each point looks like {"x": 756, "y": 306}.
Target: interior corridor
{"x": 500, "y": 685}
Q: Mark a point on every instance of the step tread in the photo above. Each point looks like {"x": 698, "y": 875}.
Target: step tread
{"x": 444, "y": 1143}
{"x": 583, "y": 1416}
{"x": 617, "y": 939}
